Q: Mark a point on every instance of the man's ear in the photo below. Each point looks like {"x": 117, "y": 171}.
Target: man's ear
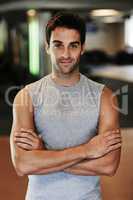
{"x": 47, "y": 47}
{"x": 82, "y": 49}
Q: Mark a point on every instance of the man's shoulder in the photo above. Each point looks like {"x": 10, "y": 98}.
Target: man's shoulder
{"x": 32, "y": 90}
{"x": 93, "y": 83}
{"x": 36, "y": 84}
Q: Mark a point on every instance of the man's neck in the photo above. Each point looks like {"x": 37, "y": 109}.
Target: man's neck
{"x": 66, "y": 79}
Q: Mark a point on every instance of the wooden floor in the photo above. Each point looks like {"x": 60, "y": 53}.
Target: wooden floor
{"x": 12, "y": 187}
{"x": 119, "y": 187}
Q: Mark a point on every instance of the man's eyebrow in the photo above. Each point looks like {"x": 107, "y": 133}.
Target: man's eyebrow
{"x": 75, "y": 42}
{"x": 57, "y": 41}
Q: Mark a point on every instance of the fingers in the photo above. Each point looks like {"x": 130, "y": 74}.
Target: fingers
{"x": 114, "y": 141}
{"x": 23, "y": 140}
{"x": 30, "y": 131}
{"x": 113, "y": 136}
{"x": 24, "y": 135}
{"x": 24, "y": 146}
{"x": 28, "y": 139}
{"x": 114, "y": 147}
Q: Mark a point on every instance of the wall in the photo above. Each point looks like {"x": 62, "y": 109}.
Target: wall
{"x": 109, "y": 37}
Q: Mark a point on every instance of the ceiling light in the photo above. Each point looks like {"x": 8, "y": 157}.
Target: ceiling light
{"x": 111, "y": 19}
{"x": 31, "y": 13}
{"x": 105, "y": 12}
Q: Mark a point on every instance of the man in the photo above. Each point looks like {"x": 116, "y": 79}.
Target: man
{"x": 75, "y": 117}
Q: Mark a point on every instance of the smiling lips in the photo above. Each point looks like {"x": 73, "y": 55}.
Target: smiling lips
{"x": 66, "y": 61}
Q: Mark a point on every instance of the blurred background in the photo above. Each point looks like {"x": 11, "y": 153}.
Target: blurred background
{"x": 108, "y": 59}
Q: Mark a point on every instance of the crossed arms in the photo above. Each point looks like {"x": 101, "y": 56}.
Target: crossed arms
{"x": 99, "y": 156}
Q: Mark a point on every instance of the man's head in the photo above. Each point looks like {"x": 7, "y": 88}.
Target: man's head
{"x": 65, "y": 38}
{"x": 66, "y": 20}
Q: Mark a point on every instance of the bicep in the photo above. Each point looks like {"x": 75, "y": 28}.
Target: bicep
{"x": 109, "y": 120}
{"x": 109, "y": 115}
{"x": 23, "y": 111}
{"x": 22, "y": 118}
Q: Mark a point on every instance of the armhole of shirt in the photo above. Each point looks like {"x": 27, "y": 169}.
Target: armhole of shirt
{"x": 28, "y": 89}
{"x": 99, "y": 102}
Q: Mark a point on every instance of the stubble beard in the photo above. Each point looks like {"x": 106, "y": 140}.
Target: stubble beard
{"x": 66, "y": 70}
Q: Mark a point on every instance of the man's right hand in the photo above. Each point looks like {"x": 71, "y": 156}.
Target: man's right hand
{"x": 28, "y": 140}
{"x": 102, "y": 144}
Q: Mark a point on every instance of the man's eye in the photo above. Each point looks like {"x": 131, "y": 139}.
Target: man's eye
{"x": 74, "y": 46}
{"x": 57, "y": 45}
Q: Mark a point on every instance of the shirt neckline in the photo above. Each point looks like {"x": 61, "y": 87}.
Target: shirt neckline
{"x": 77, "y": 84}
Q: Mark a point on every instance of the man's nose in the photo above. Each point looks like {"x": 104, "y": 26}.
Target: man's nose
{"x": 66, "y": 53}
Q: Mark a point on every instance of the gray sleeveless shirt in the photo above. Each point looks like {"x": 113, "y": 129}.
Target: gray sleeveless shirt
{"x": 65, "y": 117}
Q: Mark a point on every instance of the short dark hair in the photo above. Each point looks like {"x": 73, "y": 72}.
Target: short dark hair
{"x": 67, "y": 20}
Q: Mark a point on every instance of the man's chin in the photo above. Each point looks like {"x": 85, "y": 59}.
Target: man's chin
{"x": 67, "y": 69}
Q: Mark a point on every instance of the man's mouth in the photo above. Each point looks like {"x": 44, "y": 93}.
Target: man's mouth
{"x": 66, "y": 61}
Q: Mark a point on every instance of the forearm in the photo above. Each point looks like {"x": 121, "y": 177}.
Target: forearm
{"x": 46, "y": 161}
{"x": 100, "y": 166}
{"x": 84, "y": 168}
{"x": 60, "y": 168}
{"x": 79, "y": 170}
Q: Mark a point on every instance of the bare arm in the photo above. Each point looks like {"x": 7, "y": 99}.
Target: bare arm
{"x": 45, "y": 161}
{"x": 109, "y": 120}
{"x": 37, "y": 161}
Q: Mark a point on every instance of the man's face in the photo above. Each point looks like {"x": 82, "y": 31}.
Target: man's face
{"x": 65, "y": 50}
